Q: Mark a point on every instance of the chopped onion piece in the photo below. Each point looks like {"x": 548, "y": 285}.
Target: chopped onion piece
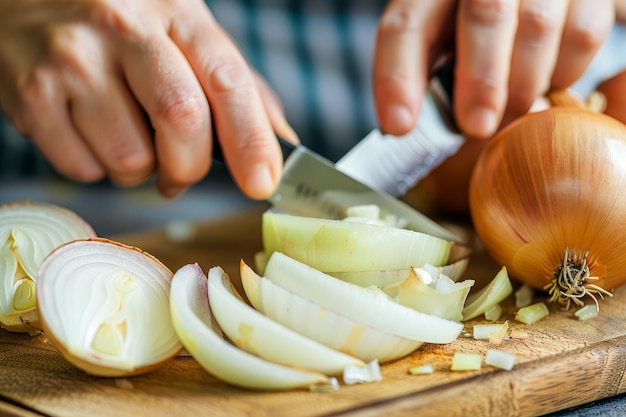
{"x": 494, "y": 293}
{"x": 524, "y": 296}
{"x": 421, "y": 369}
{"x": 362, "y": 374}
{"x": 587, "y": 312}
{"x": 362, "y": 304}
{"x": 494, "y": 312}
{"x": 500, "y": 359}
{"x": 462, "y": 361}
{"x": 386, "y": 278}
{"x": 332, "y": 385}
{"x": 494, "y": 332}
{"x": 432, "y": 293}
{"x": 203, "y": 339}
{"x": 532, "y": 313}
{"x": 339, "y": 246}
{"x": 368, "y": 211}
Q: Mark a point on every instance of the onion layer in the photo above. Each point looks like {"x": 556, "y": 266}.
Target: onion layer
{"x": 548, "y": 200}
{"x": 202, "y": 337}
{"x": 29, "y": 231}
{"x": 105, "y": 306}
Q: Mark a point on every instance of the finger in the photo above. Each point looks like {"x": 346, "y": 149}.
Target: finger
{"x": 245, "y": 132}
{"x": 535, "y": 52}
{"x": 113, "y": 126}
{"x": 166, "y": 87}
{"x": 588, "y": 24}
{"x": 485, "y": 37}
{"x": 103, "y": 110}
{"x": 405, "y": 48}
{"x": 275, "y": 111}
{"x": 43, "y": 115}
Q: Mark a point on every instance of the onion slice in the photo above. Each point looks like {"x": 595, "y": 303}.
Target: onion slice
{"x": 385, "y": 278}
{"x": 493, "y": 293}
{"x": 365, "y": 305}
{"x": 105, "y": 306}
{"x": 338, "y": 246}
{"x": 317, "y": 322}
{"x": 29, "y": 231}
{"x": 252, "y": 331}
{"x": 196, "y": 326}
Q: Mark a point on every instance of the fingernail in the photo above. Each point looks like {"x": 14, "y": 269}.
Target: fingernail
{"x": 260, "y": 182}
{"x": 481, "y": 122}
{"x": 398, "y": 120}
{"x": 173, "y": 191}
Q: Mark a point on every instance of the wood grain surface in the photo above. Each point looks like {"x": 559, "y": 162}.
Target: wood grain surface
{"x": 561, "y": 362}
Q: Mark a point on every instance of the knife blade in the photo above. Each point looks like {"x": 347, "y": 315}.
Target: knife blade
{"x": 394, "y": 164}
{"x": 313, "y": 186}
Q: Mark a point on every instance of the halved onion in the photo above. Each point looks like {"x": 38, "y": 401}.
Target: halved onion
{"x": 366, "y": 305}
{"x": 202, "y": 337}
{"x": 335, "y": 330}
{"x": 105, "y": 306}
{"x": 252, "y": 331}
{"x": 338, "y": 246}
{"x": 29, "y": 231}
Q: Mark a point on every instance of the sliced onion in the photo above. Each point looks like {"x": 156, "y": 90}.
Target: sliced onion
{"x": 320, "y": 323}
{"x": 337, "y": 246}
{"x": 252, "y": 331}
{"x": 105, "y": 306}
{"x": 29, "y": 231}
{"x": 437, "y": 295}
{"x": 201, "y": 336}
{"x": 366, "y": 305}
{"x": 385, "y": 278}
{"x": 493, "y": 293}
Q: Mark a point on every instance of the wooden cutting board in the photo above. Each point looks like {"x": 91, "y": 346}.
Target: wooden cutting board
{"x": 561, "y": 362}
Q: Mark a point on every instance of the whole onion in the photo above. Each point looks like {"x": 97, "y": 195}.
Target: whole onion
{"x": 548, "y": 200}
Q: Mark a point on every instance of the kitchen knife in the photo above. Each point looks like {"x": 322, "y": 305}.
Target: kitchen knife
{"x": 394, "y": 164}
{"x": 376, "y": 170}
{"x": 310, "y": 185}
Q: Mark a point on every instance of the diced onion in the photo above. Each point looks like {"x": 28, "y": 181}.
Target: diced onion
{"x": 500, "y": 359}
{"x": 587, "y": 312}
{"x": 421, "y": 369}
{"x": 462, "y": 361}
{"x": 532, "y": 313}
{"x": 362, "y": 374}
{"x": 524, "y": 296}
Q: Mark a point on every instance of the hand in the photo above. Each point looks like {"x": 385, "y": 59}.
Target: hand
{"x": 125, "y": 89}
{"x": 508, "y": 53}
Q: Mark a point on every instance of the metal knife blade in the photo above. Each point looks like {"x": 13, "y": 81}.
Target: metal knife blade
{"x": 311, "y": 186}
{"x": 394, "y": 164}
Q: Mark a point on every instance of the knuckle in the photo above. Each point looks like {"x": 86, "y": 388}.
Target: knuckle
{"x": 400, "y": 17}
{"x": 229, "y": 75}
{"x": 535, "y": 24}
{"x": 487, "y": 12}
{"x": 131, "y": 163}
{"x": 185, "y": 113}
{"x": 586, "y": 37}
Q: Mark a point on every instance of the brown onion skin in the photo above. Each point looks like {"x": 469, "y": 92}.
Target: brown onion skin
{"x": 614, "y": 90}
{"x": 553, "y": 180}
